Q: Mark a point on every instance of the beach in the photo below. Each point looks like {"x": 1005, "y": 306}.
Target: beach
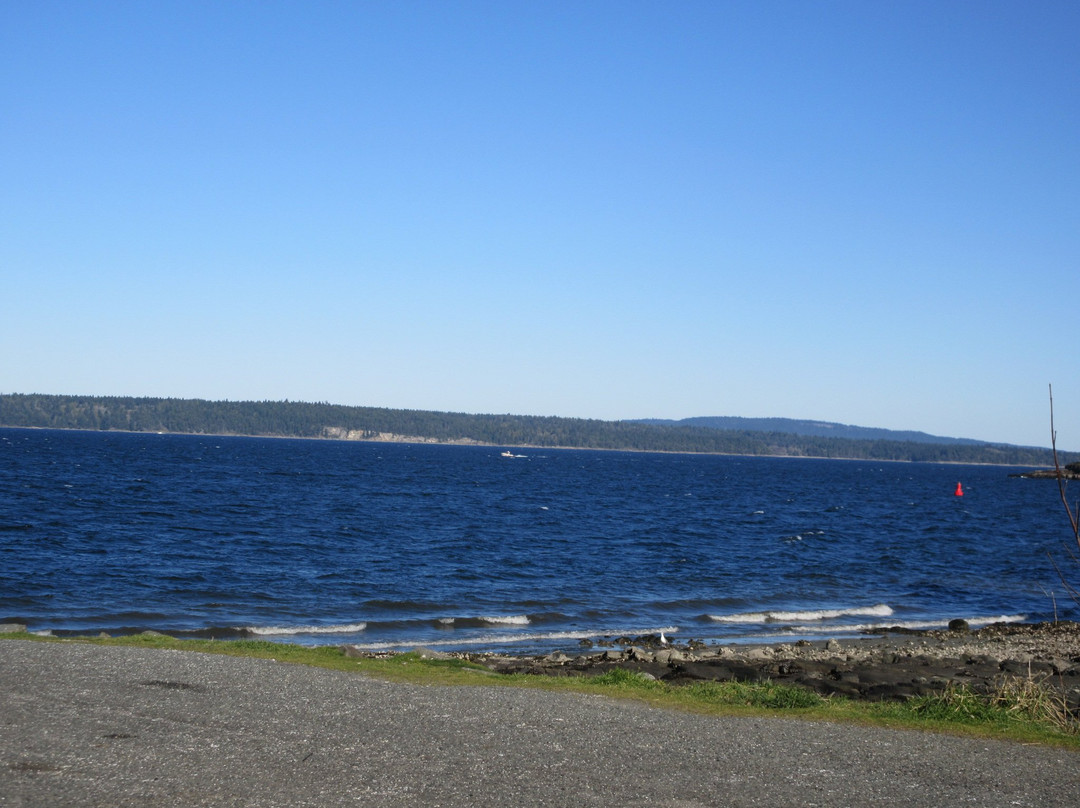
{"x": 88, "y": 724}
{"x": 891, "y": 665}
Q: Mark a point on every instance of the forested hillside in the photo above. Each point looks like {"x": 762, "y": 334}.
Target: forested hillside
{"x": 330, "y": 421}
{"x": 816, "y": 428}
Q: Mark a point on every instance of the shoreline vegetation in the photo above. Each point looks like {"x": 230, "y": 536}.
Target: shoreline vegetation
{"x": 1018, "y": 682}
{"x": 285, "y": 419}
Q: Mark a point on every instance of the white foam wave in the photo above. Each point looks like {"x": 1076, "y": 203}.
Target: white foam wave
{"x": 1004, "y": 618}
{"x": 808, "y": 616}
{"x": 283, "y": 631}
{"x": 920, "y": 625}
{"x": 508, "y": 639}
{"x": 861, "y": 628}
{"x": 509, "y": 620}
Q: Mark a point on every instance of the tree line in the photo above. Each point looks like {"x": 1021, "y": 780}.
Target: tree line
{"x": 323, "y": 420}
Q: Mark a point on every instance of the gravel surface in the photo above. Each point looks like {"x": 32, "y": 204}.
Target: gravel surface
{"x": 85, "y": 725}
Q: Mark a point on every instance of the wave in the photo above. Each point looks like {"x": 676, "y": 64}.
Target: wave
{"x": 539, "y": 637}
{"x": 408, "y": 624}
{"x": 808, "y": 616}
{"x": 920, "y": 625}
{"x": 285, "y": 631}
{"x": 510, "y": 620}
{"x": 790, "y": 631}
{"x": 355, "y": 628}
{"x": 382, "y": 604}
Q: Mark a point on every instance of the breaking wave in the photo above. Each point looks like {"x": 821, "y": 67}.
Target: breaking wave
{"x": 286, "y": 631}
{"x": 922, "y": 625}
{"x": 511, "y": 620}
{"x": 510, "y": 640}
{"x": 781, "y": 633}
{"x": 809, "y": 616}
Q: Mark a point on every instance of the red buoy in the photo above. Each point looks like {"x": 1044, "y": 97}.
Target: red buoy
{"x": 959, "y": 490}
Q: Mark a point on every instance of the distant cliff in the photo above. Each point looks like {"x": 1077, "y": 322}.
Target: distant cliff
{"x": 331, "y": 421}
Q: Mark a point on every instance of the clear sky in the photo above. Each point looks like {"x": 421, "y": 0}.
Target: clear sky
{"x": 864, "y": 212}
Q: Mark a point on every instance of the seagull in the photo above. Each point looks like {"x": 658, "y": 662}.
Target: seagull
{"x": 663, "y": 639}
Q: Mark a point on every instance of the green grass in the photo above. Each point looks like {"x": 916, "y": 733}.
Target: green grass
{"x": 1020, "y": 710}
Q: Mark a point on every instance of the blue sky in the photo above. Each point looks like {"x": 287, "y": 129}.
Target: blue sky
{"x": 862, "y": 212}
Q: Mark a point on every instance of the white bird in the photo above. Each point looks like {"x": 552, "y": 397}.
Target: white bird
{"x": 663, "y": 639}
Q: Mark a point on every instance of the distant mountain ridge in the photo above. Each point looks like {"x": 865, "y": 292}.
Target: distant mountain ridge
{"x": 817, "y": 429}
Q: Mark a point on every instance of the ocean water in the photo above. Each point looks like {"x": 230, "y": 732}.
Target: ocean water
{"x": 458, "y": 547}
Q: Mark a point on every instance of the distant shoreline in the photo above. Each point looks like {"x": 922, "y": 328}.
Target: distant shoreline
{"x": 415, "y": 440}
{"x": 290, "y": 419}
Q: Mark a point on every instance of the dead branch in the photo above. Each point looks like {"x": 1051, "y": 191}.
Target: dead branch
{"x": 1074, "y": 516}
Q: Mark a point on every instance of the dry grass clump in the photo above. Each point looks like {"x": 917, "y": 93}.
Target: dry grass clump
{"x": 1034, "y": 700}
{"x": 1023, "y": 699}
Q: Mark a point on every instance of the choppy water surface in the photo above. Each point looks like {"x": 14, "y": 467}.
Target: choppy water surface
{"x": 388, "y": 545}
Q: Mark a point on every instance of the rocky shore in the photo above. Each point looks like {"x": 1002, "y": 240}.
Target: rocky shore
{"x": 890, "y": 664}
{"x": 893, "y": 664}
{"x": 1050, "y": 474}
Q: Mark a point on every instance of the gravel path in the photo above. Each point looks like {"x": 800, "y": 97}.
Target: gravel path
{"x": 84, "y": 725}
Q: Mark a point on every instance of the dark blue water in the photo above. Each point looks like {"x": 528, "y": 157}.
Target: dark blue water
{"x": 388, "y": 545}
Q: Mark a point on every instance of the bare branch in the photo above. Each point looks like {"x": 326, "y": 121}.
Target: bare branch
{"x": 1070, "y": 590}
{"x": 1074, "y": 516}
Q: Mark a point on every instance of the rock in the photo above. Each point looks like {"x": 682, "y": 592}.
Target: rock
{"x": 638, "y": 654}
{"x": 959, "y": 625}
{"x": 104, "y": 635}
{"x": 1050, "y": 474}
{"x": 1063, "y": 667}
{"x": 759, "y": 653}
{"x": 833, "y": 646}
{"x": 12, "y": 628}
{"x": 702, "y": 671}
{"x": 669, "y": 655}
{"x": 427, "y": 653}
{"x": 1015, "y": 667}
{"x": 612, "y": 656}
{"x": 846, "y": 676}
{"x": 557, "y": 658}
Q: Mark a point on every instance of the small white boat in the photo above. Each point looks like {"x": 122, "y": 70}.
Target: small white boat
{"x": 507, "y": 454}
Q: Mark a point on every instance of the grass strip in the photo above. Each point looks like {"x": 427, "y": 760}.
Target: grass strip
{"x": 1020, "y": 710}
